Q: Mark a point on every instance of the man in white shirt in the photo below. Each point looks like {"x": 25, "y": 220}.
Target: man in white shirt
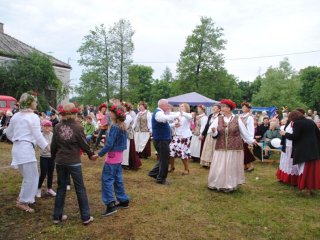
{"x": 161, "y": 138}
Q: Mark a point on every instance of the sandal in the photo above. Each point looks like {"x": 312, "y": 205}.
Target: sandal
{"x": 249, "y": 169}
{"x": 186, "y": 173}
{"x": 25, "y": 207}
{"x": 171, "y": 170}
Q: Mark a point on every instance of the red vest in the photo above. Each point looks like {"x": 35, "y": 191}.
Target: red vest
{"x": 229, "y": 135}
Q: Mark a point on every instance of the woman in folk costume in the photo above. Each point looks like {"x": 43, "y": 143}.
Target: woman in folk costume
{"x": 180, "y": 144}
{"x": 305, "y": 151}
{"x": 248, "y": 121}
{"x": 130, "y": 156}
{"x": 142, "y": 130}
{"x": 196, "y": 140}
{"x": 226, "y": 170}
{"x": 25, "y": 132}
{"x": 210, "y": 142}
{"x": 287, "y": 172}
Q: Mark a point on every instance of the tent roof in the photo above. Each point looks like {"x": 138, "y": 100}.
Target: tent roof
{"x": 193, "y": 99}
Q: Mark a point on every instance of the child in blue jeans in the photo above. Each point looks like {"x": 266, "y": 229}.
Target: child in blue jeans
{"x": 111, "y": 179}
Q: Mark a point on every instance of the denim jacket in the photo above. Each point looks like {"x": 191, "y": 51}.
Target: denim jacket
{"x": 116, "y": 141}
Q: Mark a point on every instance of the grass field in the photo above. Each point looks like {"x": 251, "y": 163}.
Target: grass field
{"x": 260, "y": 209}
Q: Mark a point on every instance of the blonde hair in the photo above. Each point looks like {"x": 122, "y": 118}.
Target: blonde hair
{"x": 273, "y": 124}
{"x": 68, "y": 116}
{"x": 186, "y": 106}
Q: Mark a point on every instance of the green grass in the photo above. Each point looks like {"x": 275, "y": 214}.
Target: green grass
{"x": 260, "y": 209}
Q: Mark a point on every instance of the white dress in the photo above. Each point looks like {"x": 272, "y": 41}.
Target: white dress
{"x": 195, "y": 146}
{"x": 127, "y": 122}
{"x": 287, "y": 172}
{"x": 208, "y": 146}
{"x": 226, "y": 170}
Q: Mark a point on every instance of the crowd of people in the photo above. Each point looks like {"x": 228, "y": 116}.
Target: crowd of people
{"x": 221, "y": 141}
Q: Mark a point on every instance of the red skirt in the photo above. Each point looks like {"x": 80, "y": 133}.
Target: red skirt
{"x": 134, "y": 160}
{"x": 310, "y": 177}
{"x": 146, "y": 151}
{"x": 287, "y": 178}
{"x": 248, "y": 156}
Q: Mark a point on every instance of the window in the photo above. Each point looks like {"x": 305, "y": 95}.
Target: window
{"x": 12, "y": 103}
{"x": 3, "y": 103}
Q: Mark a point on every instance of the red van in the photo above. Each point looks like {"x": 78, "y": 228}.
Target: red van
{"x": 7, "y": 102}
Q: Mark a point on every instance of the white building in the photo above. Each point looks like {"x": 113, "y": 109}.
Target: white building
{"x": 11, "y": 47}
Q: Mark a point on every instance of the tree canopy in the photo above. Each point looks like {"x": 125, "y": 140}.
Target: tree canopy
{"x": 33, "y": 72}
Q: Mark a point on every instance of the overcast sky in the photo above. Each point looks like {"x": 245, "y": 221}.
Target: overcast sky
{"x": 252, "y": 28}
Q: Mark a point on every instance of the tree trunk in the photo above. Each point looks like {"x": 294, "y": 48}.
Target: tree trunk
{"x": 107, "y": 67}
{"x": 121, "y": 67}
{"x": 199, "y": 64}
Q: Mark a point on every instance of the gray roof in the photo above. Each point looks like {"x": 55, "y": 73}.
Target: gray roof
{"x": 11, "y": 47}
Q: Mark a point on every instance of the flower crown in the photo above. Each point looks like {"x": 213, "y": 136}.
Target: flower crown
{"x": 32, "y": 96}
{"x": 119, "y": 112}
{"x": 202, "y": 106}
{"x": 62, "y": 111}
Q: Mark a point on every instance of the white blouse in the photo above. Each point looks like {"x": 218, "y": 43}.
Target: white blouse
{"x": 25, "y": 132}
{"x": 184, "y": 129}
{"x": 289, "y": 129}
{"x": 128, "y": 120}
{"x": 203, "y": 120}
{"x": 244, "y": 133}
{"x": 250, "y": 123}
{"x": 214, "y": 116}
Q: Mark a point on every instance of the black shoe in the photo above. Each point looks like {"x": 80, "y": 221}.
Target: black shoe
{"x": 111, "y": 209}
{"x": 153, "y": 176}
{"x": 123, "y": 205}
{"x": 163, "y": 182}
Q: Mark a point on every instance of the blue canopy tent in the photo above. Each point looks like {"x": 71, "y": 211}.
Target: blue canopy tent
{"x": 193, "y": 99}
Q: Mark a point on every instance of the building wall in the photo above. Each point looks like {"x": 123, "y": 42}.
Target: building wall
{"x": 64, "y": 75}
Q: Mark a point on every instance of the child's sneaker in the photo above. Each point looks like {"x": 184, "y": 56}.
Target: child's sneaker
{"x": 111, "y": 209}
{"x": 38, "y": 195}
{"x": 51, "y": 192}
{"x": 123, "y": 205}
{"x": 63, "y": 219}
{"x": 68, "y": 187}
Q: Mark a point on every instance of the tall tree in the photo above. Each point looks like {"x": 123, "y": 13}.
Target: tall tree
{"x": 139, "y": 83}
{"x": 162, "y": 88}
{"x": 310, "y": 79}
{"x": 92, "y": 88}
{"x": 122, "y": 48}
{"x": 249, "y": 88}
{"x": 167, "y": 75}
{"x": 280, "y": 87}
{"x": 96, "y": 57}
{"x": 201, "y": 57}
